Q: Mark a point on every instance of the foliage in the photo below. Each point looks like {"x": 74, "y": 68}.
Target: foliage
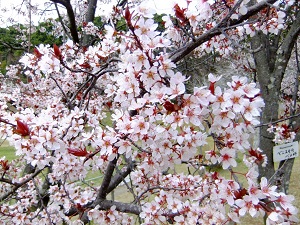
{"x": 13, "y": 41}
{"x": 44, "y": 33}
{"x": 60, "y": 129}
{"x": 10, "y": 47}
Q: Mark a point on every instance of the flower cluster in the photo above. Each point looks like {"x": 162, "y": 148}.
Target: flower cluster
{"x": 197, "y": 17}
{"x": 283, "y": 133}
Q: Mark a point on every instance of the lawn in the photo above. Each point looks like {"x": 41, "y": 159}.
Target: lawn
{"x": 7, "y": 151}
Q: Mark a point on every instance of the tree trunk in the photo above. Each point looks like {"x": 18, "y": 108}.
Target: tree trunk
{"x": 271, "y": 62}
{"x": 90, "y": 16}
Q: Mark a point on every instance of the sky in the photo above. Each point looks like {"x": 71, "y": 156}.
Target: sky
{"x": 9, "y": 12}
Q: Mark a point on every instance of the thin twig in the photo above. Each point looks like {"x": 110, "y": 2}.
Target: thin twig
{"x": 62, "y": 91}
{"x": 277, "y": 121}
{"x": 138, "y": 147}
{"x": 61, "y": 22}
{"x": 41, "y": 200}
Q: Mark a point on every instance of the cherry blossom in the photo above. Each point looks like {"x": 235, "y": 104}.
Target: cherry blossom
{"x": 246, "y": 205}
{"x": 227, "y": 158}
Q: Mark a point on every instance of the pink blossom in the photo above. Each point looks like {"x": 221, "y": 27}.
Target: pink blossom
{"x": 227, "y": 158}
{"x": 246, "y": 205}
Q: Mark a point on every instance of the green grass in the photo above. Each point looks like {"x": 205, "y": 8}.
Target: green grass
{"x": 7, "y": 151}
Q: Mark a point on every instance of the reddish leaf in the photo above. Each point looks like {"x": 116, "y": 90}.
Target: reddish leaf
{"x": 4, "y": 164}
{"x": 169, "y": 106}
{"x": 79, "y": 207}
{"x": 57, "y": 52}
{"x": 85, "y": 65}
{"x": 127, "y": 14}
{"x": 37, "y": 53}
{"x": 230, "y": 144}
{"x": 212, "y": 87}
{"x": 215, "y": 176}
{"x": 109, "y": 104}
{"x": 94, "y": 110}
{"x": 128, "y": 18}
{"x": 22, "y": 129}
{"x": 179, "y": 13}
{"x": 252, "y": 152}
{"x": 240, "y": 194}
{"x": 84, "y": 48}
{"x": 78, "y": 152}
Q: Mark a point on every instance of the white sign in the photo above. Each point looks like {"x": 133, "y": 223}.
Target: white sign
{"x": 285, "y": 151}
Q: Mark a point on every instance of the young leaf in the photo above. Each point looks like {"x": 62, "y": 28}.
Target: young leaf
{"x": 22, "y": 129}
{"x": 37, "y": 53}
{"x": 57, "y": 52}
{"x": 78, "y": 152}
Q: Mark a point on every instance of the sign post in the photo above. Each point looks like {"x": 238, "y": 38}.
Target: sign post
{"x": 285, "y": 151}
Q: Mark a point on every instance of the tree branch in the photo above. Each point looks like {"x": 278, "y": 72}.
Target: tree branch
{"x": 5, "y": 180}
{"x": 121, "y": 207}
{"x": 11, "y": 46}
{"x": 119, "y": 177}
{"x": 18, "y": 185}
{"x": 287, "y": 46}
{"x": 106, "y": 181}
{"x": 71, "y": 15}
